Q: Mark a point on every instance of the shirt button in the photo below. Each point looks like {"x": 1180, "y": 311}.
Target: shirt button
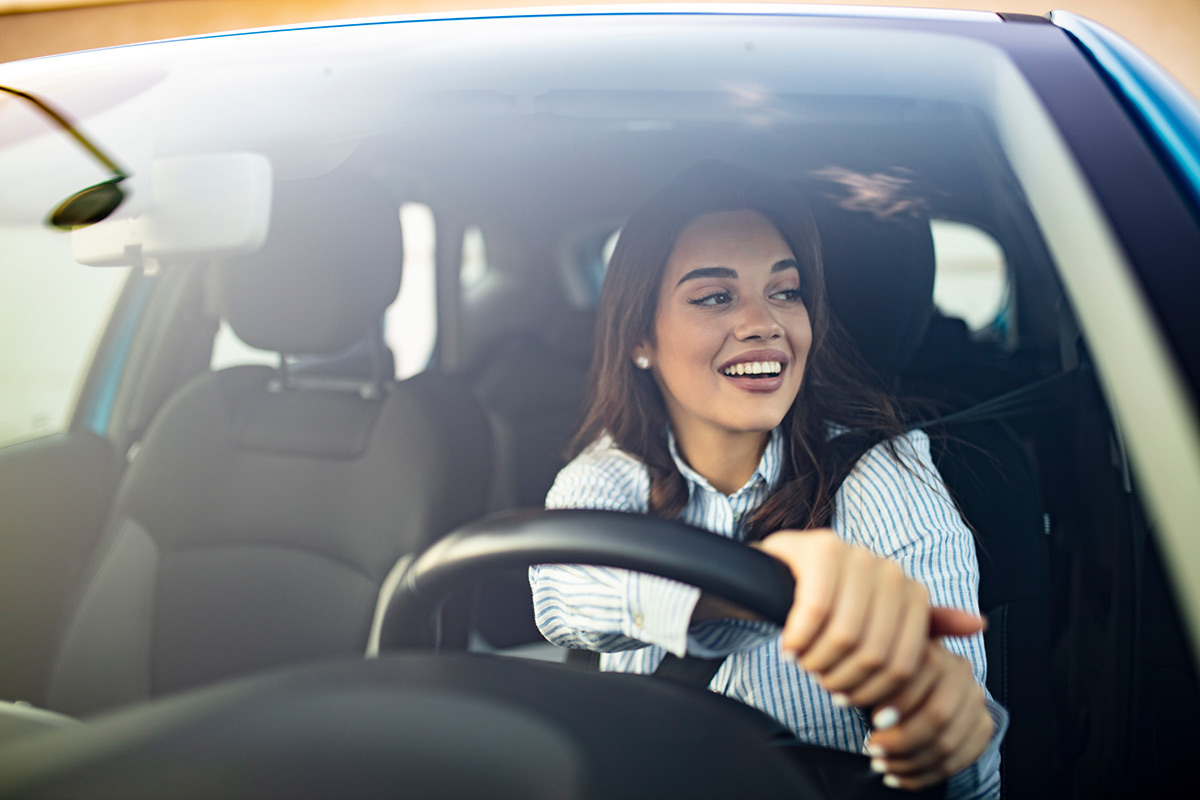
{"x": 639, "y": 620}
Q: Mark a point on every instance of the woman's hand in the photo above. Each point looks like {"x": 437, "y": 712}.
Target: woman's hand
{"x": 857, "y": 623}
{"x": 939, "y": 724}
{"x": 866, "y": 632}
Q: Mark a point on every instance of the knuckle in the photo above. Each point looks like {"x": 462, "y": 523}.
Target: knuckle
{"x": 938, "y": 715}
{"x": 812, "y": 614}
{"x": 892, "y": 571}
{"x": 841, "y": 640}
{"x": 829, "y": 546}
{"x": 874, "y": 660}
{"x": 900, "y": 673}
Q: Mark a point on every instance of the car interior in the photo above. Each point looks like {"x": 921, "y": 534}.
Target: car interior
{"x": 245, "y": 517}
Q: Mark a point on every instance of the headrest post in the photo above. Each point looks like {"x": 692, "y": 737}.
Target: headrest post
{"x": 378, "y": 364}
{"x": 281, "y": 383}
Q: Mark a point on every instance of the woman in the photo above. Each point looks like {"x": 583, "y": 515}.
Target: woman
{"x": 718, "y": 383}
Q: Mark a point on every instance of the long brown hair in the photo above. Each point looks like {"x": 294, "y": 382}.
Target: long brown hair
{"x": 836, "y": 390}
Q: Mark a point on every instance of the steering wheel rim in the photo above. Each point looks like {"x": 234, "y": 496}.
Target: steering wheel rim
{"x": 742, "y": 575}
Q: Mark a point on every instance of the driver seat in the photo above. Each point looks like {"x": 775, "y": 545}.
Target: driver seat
{"x": 266, "y": 506}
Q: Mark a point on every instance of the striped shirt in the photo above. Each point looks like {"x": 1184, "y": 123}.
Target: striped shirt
{"x": 900, "y": 512}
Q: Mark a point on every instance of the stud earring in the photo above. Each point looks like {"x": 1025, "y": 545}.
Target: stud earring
{"x": 642, "y": 362}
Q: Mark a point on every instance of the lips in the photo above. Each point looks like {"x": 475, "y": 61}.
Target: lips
{"x": 757, "y": 371}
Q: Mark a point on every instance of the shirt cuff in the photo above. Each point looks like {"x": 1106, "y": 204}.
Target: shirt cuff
{"x": 982, "y": 779}
{"x": 659, "y": 611}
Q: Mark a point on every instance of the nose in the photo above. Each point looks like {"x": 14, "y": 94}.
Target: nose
{"x": 757, "y": 321}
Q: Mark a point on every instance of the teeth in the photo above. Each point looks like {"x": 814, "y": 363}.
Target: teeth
{"x": 755, "y": 368}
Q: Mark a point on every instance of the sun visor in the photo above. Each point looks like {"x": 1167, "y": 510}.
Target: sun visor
{"x": 199, "y": 207}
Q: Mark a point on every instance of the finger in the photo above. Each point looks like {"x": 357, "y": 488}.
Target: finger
{"x": 914, "y": 693}
{"x": 902, "y": 620}
{"x": 953, "y": 622}
{"x": 921, "y": 727}
{"x": 948, "y": 742}
{"x": 971, "y": 749}
{"x": 841, "y": 636}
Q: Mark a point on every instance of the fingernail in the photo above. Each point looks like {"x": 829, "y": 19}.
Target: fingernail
{"x": 885, "y": 718}
{"x": 840, "y": 700}
{"x": 878, "y": 765}
{"x": 876, "y": 751}
{"x": 891, "y": 781}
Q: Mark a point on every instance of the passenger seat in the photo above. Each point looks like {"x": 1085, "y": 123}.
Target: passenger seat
{"x": 266, "y": 506}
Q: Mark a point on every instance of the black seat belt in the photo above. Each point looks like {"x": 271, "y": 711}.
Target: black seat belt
{"x": 1040, "y": 395}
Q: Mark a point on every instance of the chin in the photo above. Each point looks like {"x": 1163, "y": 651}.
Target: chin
{"x": 757, "y": 425}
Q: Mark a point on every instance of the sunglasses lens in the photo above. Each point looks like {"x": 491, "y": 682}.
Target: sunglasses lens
{"x": 88, "y": 206}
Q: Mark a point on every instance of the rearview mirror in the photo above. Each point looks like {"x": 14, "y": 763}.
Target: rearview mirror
{"x": 94, "y": 203}
{"x": 88, "y": 206}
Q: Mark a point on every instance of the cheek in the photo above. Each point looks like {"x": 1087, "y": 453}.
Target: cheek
{"x": 800, "y": 333}
{"x": 683, "y": 342}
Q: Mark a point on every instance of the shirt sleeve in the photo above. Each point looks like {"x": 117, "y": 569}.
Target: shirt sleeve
{"x": 895, "y": 503}
{"x": 602, "y": 608}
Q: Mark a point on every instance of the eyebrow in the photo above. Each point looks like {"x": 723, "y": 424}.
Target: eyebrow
{"x": 726, "y": 272}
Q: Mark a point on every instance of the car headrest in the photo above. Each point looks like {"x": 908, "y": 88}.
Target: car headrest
{"x": 879, "y": 273}
{"x": 329, "y": 268}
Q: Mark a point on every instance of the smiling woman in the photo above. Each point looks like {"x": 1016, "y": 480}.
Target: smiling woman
{"x": 719, "y": 381}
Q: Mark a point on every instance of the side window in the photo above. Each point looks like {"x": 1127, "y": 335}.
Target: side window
{"x": 474, "y": 258}
{"x": 52, "y": 314}
{"x": 591, "y": 263}
{"x": 410, "y": 322}
{"x": 971, "y": 282}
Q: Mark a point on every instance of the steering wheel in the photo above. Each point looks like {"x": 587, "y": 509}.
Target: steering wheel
{"x": 742, "y": 575}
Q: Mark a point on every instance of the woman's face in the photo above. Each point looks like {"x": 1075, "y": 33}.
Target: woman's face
{"x": 731, "y": 332}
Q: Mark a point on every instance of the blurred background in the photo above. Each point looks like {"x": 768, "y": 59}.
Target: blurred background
{"x": 1168, "y": 30}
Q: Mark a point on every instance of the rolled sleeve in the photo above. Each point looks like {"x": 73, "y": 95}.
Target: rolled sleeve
{"x": 658, "y": 611}
{"x": 602, "y": 608}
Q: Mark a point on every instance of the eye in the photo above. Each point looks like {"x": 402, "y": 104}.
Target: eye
{"x": 788, "y": 296}
{"x": 718, "y": 298}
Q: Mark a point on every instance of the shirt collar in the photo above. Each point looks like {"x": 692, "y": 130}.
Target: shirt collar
{"x": 767, "y": 471}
